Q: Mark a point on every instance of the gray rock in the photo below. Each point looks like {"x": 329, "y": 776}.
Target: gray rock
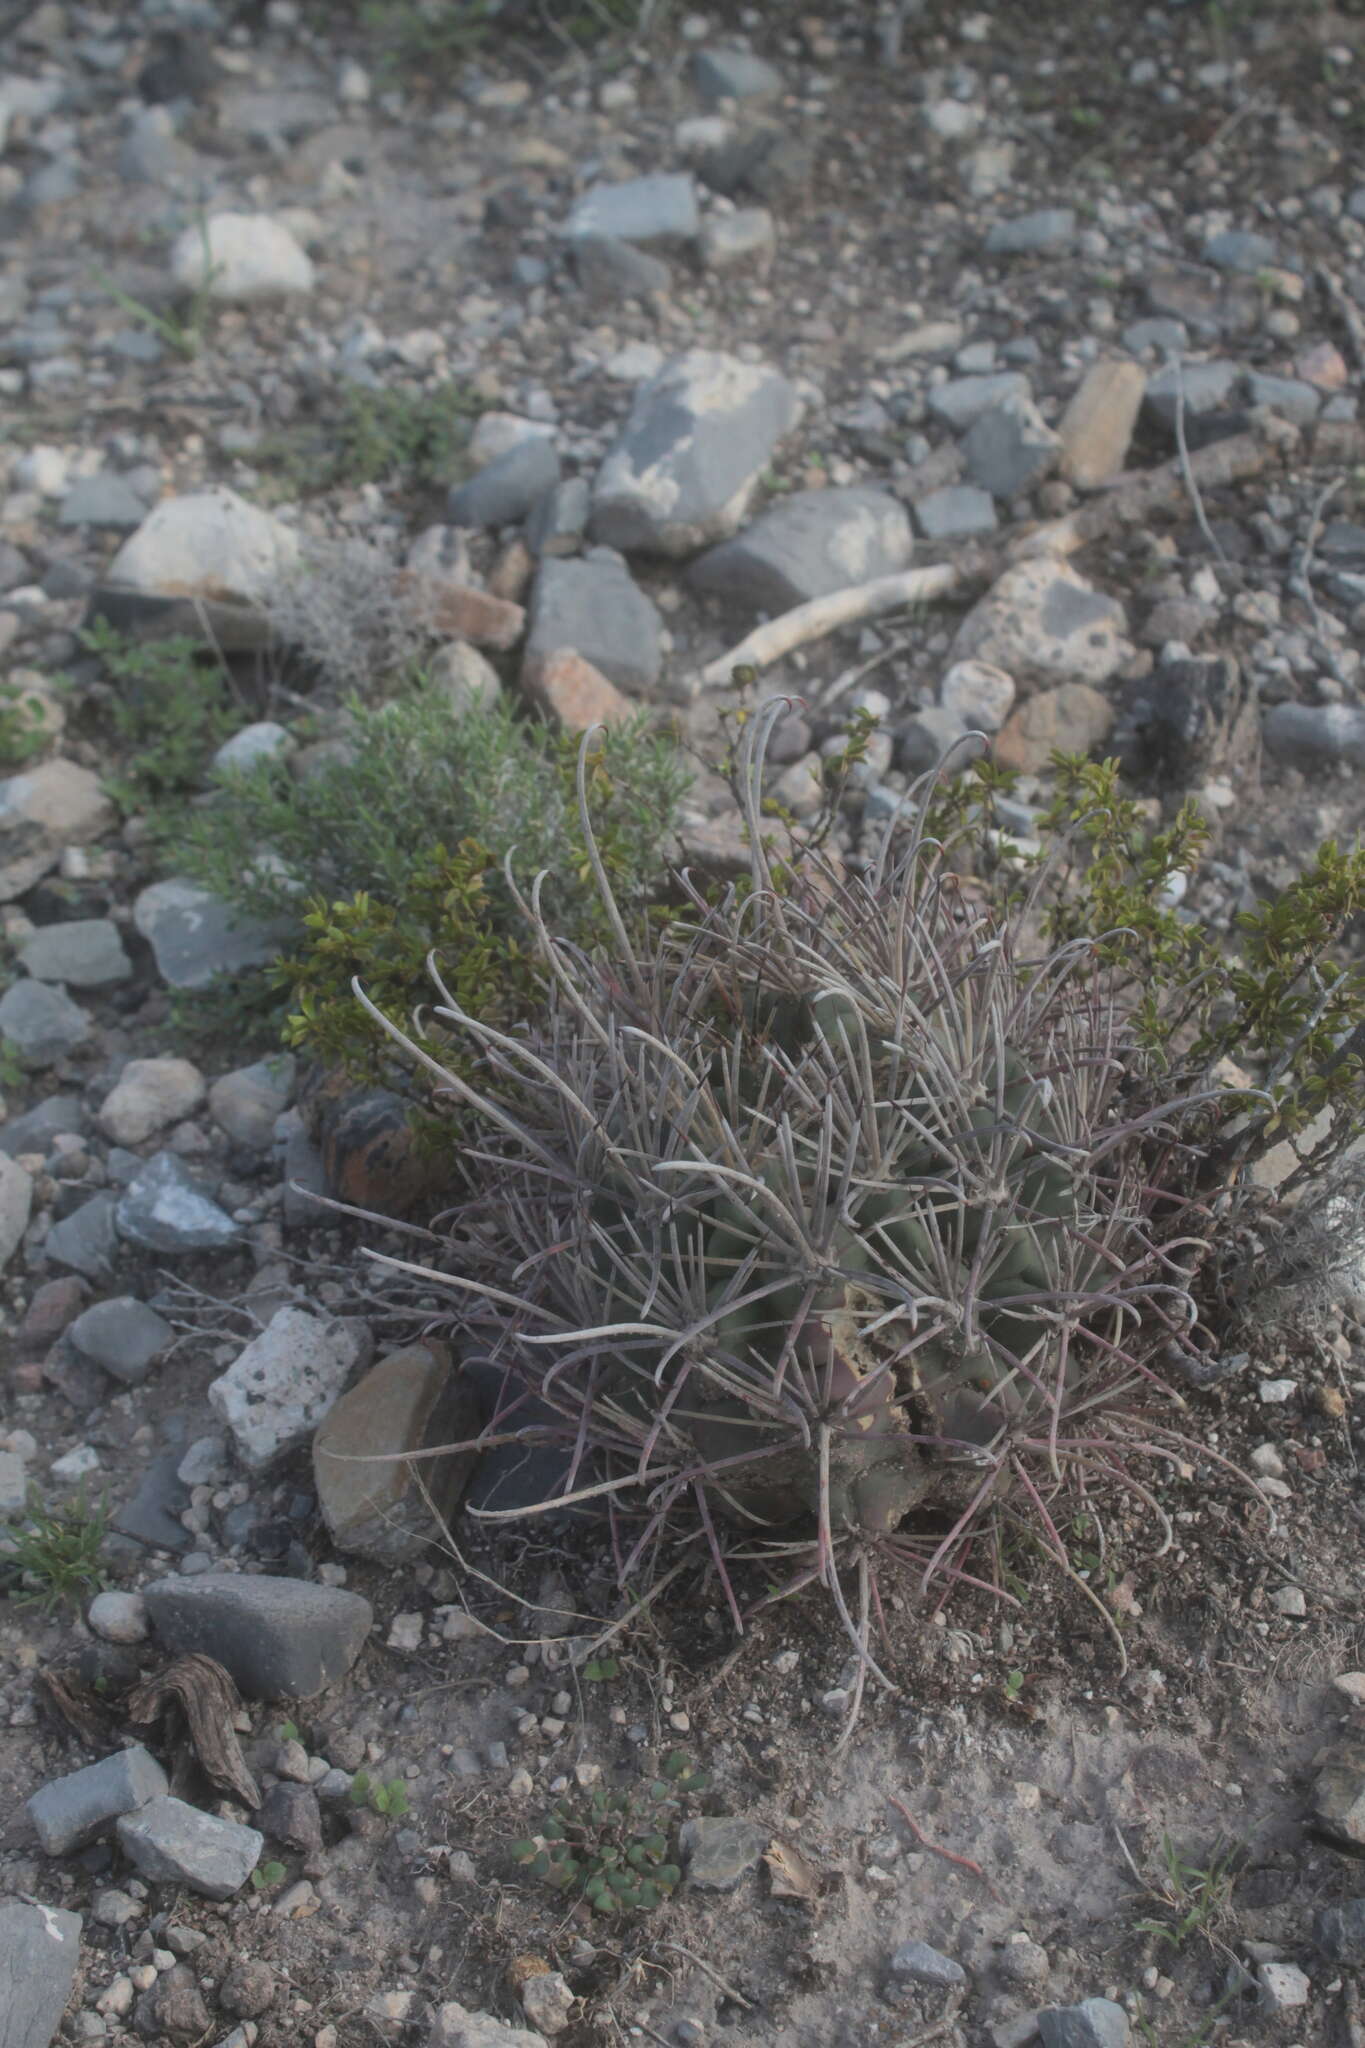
{"x": 1010, "y": 448}
{"x": 118, "y": 1617}
{"x": 275, "y": 116}
{"x": 955, "y": 512}
{"x": 556, "y": 524}
{"x": 1339, "y": 1932}
{"x": 163, "y": 1209}
{"x": 916, "y": 1963}
{"x": 276, "y": 1392}
{"x": 148, "y": 1095}
{"x": 85, "y": 1240}
{"x": 124, "y": 1336}
{"x": 719, "y": 1848}
{"x": 40, "y": 1947}
{"x": 41, "y": 1022}
{"x": 505, "y": 490}
{"x": 261, "y": 741}
{"x": 961, "y": 402}
{"x": 454, "y": 2026}
{"x": 1235, "y": 249}
{"x": 289, "y": 1815}
{"x": 13, "y": 1485}
{"x": 1309, "y": 734}
{"x": 87, "y": 952}
{"x": 658, "y": 211}
{"x": 1051, "y": 227}
{"x": 592, "y": 607}
{"x": 247, "y": 1103}
{"x": 196, "y": 936}
{"x": 1094, "y": 2023}
{"x": 1355, "y": 205}
{"x": 172, "y": 1843}
{"x": 37, "y": 1127}
{"x": 209, "y": 544}
{"x": 609, "y": 269}
{"x": 305, "y": 1178}
{"x": 103, "y": 500}
{"x": 1042, "y": 622}
{"x": 1343, "y": 540}
{"x": 42, "y": 810}
{"x": 1339, "y": 1794}
{"x": 1166, "y": 336}
{"x": 725, "y": 74}
{"x": 1290, "y": 397}
{"x": 279, "y": 1638}
{"x": 71, "y": 1811}
{"x": 805, "y": 545}
{"x": 1207, "y": 388}
{"x": 744, "y": 240}
{"x": 152, "y": 1516}
{"x": 922, "y": 742}
{"x": 687, "y": 460}
{"x": 16, "y": 1206}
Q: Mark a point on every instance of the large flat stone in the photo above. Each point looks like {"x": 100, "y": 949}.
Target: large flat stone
{"x": 173, "y": 1843}
{"x": 1042, "y": 622}
{"x": 375, "y": 1502}
{"x": 207, "y": 544}
{"x": 40, "y": 1947}
{"x": 685, "y": 465}
{"x": 656, "y": 211}
{"x": 806, "y": 545}
{"x": 279, "y": 1638}
{"x": 196, "y": 936}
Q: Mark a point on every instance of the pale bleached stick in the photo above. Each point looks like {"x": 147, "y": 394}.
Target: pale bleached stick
{"x": 767, "y": 644}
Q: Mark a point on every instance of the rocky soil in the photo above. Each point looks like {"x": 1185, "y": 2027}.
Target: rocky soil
{"x": 756, "y": 306}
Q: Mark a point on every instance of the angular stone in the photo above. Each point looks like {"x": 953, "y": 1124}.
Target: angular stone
{"x": 1097, "y": 426}
{"x": 375, "y": 1504}
{"x": 720, "y": 1848}
{"x": 1236, "y": 249}
{"x": 123, "y": 1336}
{"x": 727, "y": 74}
{"x": 40, "y": 1947}
{"x": 1010, "y": 448}
{"x": 55, "y": 1305}
{"x": 548, "y": 2002}
{"x": 955, "y": 512}
{"x": 172, "y": 1843}
{"x": 978, "y": 695}
{"x": 609, "y": 269}
{"x": 42, "y": 810}
{"x": 1073, "y": 717}
{"x": 466, "y": 679}
{"x": 148, "y": 1095}
{"x": 247, "y": 1103}
{"x": 454, "y": 2026}
{"x": 1287, "y": 396}
{"x": 196, "y": 936}
{"x": 690, "y": 454}
{"x": 72, "y": 1811}
{"x": 277, "y": 1391}
{"x": 1049, "y": 228}
{"x": 13, "y": 1485}
{"x": 164, "y": 1210}
{"x": 572, "y": 692}
{"x": 914, "y": 1962}
{"x": 41, "y": 1022}
{"x": 16, "y": 1206}
{"x": 279, "y": 1638}
{"x": 85, "y": 1240}
{"x": 591, "y": 607}
{"x": 1309, "y": 734}
{"x": 1339, "y": 1795}
{"x": 1094, "y": 2023}
{"x": 1042, "y": 622}
{"x": 806, "y": 545}
{"x": 104, "y": 500}
{"x": 152, "y": 1516}
{"x": 462, "y": 613}
{"x": 87, "y": 952}
{"x": 1206, "y": 388}
{"x": 507, "y": 488}
{"x": 208, "y": 544}
{"x": 241, "y": 258}
{"x": 1339, "y": 1932}
{"x": 657, "y": 211}
{"x": 35, "y": 1130}
{"x": 744, "y": 240}
{"x": 961, "y": 402}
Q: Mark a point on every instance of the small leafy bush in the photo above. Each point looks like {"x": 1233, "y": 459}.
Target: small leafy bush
{"x": 391, "y": 1800}
{"x": 367, "y": 435}
{"x": 617, "y": 1850}
{"x": 398, "y": 851}
{"x": 170, "y": 707}
{"x": 24, "y": 731}
{"x": 55, "y": 1559}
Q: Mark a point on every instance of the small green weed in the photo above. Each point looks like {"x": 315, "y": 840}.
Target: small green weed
{"x": 266, "y": 1876}
{"x": 426, "y": 37}
{"x": 232, "y": 1019}
{"x": 1194, "y": 1898}
{"x": 183, "y": 334}
{"x": 55, "y": 1561}
{"x": 368, "y": 436}
{"x": 24, "y": 731}
{"x": 390, "y": 1800}
{"x": 617, "y": 1850}
{"x": 12, "y": 1069}
{"x": 169, "y": 708}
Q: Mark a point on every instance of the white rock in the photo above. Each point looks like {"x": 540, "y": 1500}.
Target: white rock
{"x": 979, "y": 695}
{"x": 353, "y": 84}
{"x": 149, "y": 1095}
{"x": 277, "y": 1391}
{"x": 43, "y": 469}
{"x": 1351, "y": 1686}
{"x": 16, "y": 1204}
{"x": 1274, "y": 1393}
{"x": 1288, "y": 1600}
{"x": 258, "y": 742}
{"x": 241, "y": 257}
{"x": 497, "y": 433}
{"x": 208, "y": 544}
{"x": 118, "y": 1617}
{"x": 1283, "y": 1986}
{"x": 76, "y": 1465}
{"x": 1266, "y": 1460}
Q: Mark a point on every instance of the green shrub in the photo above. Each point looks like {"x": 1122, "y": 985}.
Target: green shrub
{"x": 366, "y": 435}
{"x": 617, "y": 1850}
{"x": 24, "y": 730}
{"x": 398, "y": 850}
{"x": 56, "y": 1556}
{"x": 170, "y": 706}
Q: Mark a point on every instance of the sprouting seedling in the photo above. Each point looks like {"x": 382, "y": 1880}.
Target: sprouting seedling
{"x": 390, "y": 1800}
{"x": 266, "y": 1876}
{"x": 617, "y": 1850}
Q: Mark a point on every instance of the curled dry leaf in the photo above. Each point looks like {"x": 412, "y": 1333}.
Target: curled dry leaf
{"x": 790, "y": 1874}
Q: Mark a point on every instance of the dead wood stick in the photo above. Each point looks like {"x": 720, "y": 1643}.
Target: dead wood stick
{"x": 1129, "y": 501}
{"x": 823, "y": 615}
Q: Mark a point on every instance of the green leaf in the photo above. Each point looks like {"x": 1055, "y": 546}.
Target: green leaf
{"x": 599, "y": 1669}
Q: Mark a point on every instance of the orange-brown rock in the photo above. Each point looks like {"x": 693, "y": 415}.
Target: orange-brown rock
{"x": 572, "y": 692}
